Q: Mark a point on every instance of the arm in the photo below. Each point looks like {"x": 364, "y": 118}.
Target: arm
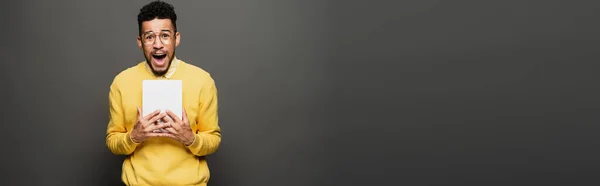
{"x": 207, "y": 136}
{"x": 118, "y": 139}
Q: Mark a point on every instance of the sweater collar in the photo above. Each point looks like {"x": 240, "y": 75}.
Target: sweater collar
{"x": 170, "y": 72}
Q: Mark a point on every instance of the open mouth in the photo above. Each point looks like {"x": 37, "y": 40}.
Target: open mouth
{"x": 159, "y": 58}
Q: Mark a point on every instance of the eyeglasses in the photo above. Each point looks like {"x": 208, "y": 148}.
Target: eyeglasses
{"x": 165, "y": 38}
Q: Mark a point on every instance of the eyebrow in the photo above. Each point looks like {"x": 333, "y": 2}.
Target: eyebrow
{"x": 163, "y": 30}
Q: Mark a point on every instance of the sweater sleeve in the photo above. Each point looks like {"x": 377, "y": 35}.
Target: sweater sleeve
{"x": 117, "y": 137}
{"x": 208, "y": 133}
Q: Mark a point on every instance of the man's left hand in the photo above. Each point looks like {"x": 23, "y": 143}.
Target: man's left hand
{"x": 179, "y": 129}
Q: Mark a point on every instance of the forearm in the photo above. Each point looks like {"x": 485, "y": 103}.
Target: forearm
{"x": 205, "y": 143}
{"x": 207, "y": 137}
{"x": 120, "y": 143}
{"x": 118, "y": 140}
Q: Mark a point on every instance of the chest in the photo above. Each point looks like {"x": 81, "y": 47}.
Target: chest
{"x": 132, "y": 99}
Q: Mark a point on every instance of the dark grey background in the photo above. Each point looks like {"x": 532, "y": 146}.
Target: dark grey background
{"x": 322, "y": 92}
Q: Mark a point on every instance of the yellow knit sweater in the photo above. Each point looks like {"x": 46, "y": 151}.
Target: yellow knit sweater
{"x": 160, "y": 160}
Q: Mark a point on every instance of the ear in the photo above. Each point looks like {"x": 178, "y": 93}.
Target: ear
{"x": 139, "y": 41}
{"x": 177, "y": 37}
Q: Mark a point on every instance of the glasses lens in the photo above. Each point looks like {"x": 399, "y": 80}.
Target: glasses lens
{"x": 150, "y": 38}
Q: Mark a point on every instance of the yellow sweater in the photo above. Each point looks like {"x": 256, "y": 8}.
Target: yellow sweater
{"x": 163, "y": 161}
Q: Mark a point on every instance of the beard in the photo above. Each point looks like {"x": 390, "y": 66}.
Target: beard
{"x": 163, "y": 72}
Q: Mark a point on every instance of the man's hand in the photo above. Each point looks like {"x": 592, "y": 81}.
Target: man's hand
{"x": 145, "y": 126}
{"x": 180, "y": 130}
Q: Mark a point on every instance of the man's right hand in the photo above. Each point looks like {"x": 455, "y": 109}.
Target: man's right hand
{"x": 145, "y": 126}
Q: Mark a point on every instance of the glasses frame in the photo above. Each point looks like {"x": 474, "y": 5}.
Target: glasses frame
{"x": 149, "y": 38}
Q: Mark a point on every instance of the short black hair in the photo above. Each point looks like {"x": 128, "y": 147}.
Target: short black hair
{"x": 157, "y": 9}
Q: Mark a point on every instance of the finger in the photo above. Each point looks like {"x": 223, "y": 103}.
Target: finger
{"x": 173, "y": 124}
{"x": 151, "y": 121}
{"x": 184, "y": 115}
{"x": 157, "y": 117}
{"x": 156, "y": 127}
{"x": 174, "y": 117}
{"x": 149, "y": 116}
{"x": 168, "y": 117}
{"x": 139, "y": 113}
{"x": 172, "y": 130}
{"x": 162, "y": 134}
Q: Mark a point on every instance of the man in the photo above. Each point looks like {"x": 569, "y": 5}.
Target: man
{"x": 177, "y": 156}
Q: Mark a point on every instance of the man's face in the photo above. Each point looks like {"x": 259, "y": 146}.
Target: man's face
{"x": 158, "y": 41}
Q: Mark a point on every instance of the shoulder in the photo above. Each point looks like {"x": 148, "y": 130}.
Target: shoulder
{"x": 127, "y": 74}
{"x": 196, "y": 72}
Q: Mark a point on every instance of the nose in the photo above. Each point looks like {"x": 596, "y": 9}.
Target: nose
{"x": 157, "y": 44}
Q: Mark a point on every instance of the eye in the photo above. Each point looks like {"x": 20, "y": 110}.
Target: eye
{"x": 149, "y": 36}
{"x": 166, "y": 35}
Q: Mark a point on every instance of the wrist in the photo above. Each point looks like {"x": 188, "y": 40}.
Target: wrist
{"x": 190, "y": 140}
{"x": 133, "y": 139}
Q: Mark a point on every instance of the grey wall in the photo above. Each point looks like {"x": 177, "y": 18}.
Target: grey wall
{"x": 322, "y": 92}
